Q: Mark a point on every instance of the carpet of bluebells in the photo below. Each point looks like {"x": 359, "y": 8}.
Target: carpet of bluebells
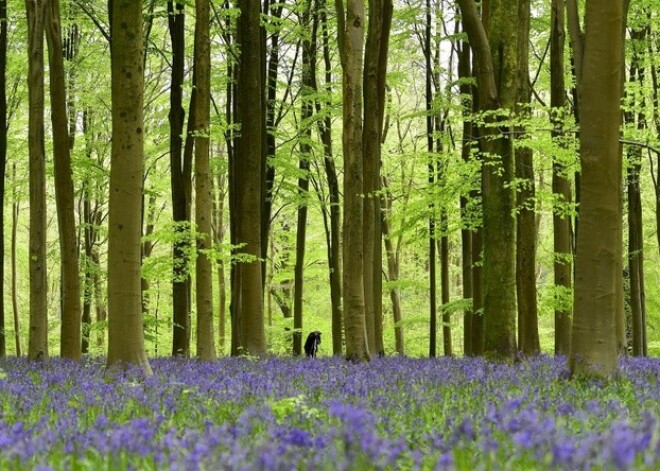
{"x": 327, "y": 414}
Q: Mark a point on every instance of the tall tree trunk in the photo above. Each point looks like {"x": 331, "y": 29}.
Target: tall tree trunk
{"x": 635, "y": 227}
{"x": 126, "y": 337}
{"x": 635, "y": 251}
{"x": 561, "y": 188}
{"x": 466, "y": 89}
{"x": 14, "y": 276}
{"x": 309, "y": 25}
{"x": 301, "y": 234}
{"x": 440, "y": 119}
{"x": 88, "y": 232}
{"x": 147, "y": 247}
{"x": 526, "y": 235}
{"x": 180, "y": 186}
{"x": 203, "y": 188}
{"x": 350, "y": 36}
{"x": 478, "y": 324}
{"x": 272, "y": 79}
{"x": 498, "y": 73}
{"x": 375, "y": 67}
{"x": 466, "y": 280}
{"x": 597, "y": 264}
{"x": 86, "y": 314}
{"x": 99, "y": 301}
{"x": 392, "y": 268}
{"x": 71, "y": 309}
{"x": 3, "y": 166}
{"x": 248, "y": 334}
{"x": 220, "y": 192}
{"x": 38, "y": 334}
{"x": 71, "y": 46}
{"x": 433, "y": 315}
{"x": 443, "y": 249}
{"x": 333, "y": 235}
{"x": 92, "y": 219}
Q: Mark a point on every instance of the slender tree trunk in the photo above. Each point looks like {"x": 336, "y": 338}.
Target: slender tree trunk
{"x": 99, "y": 301}
{"x": 334, "y": 236}
{"x": 635, "y": 227}
{"x": 203, "y": 188}
{"x": 576, "y": 36}
{"x": 526, "y": 236}
{"x": 92, "y": 220}
{"x": 272, "y": 79}
{"x": 433, "y": 315}
{"x": 478, "y": 324}
{"x": 598, "y": 260}
{"x": 442, "y": 242}
{"x": 230, "y": 117}
{"x": 180, "y": 185}
{"x": 38, "y": 334}
{"x": 561, "y": 188}
{"x": 14, "y": 277}
{"x": 219, "y": 238}
{"x": 392, "y": 269}
{"x": 71, "y": 46}
{"x": 443, "y": 249}
{"x": 126, "y": 338}
{"x": 466, "y": 280}
{"x": 635, "y": 250}
{"x": 309, "y": 25}
{"x": 88, "y": 293}
{"x": 248, "y": 335}
{"x": 350, "y": 35}
{"x": 464, "y": 73}
{"x": 71, "y": 309}
{"x": 147, "y": 248}
{"x": 3, "y": 166}
{"x": 87, "y": 242}
{"x": 301, "y": 234}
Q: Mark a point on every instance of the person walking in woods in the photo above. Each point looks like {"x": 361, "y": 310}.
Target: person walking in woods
{"x": 312, "y": 343}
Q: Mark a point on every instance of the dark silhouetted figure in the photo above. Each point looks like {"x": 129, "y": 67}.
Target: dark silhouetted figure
{"x": 312, "y": 343}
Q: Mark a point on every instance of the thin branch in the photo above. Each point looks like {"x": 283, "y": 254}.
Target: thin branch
{"x": 82, "y": 5}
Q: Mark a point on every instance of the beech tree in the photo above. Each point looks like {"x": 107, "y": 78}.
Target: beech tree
{"x": 245, "y": 197}
{"x": 494, "y": 44}
{"x": 126, "y": 337}
{"x": 181, "y": 181}
{"x": 561, "y": 186}
{"x": 3, "y": 164}
{"x": 203, "y": 189}
{"x": 331, "y": 215}
{"x": 635, "y": 120}
{"x": 350, "y": 36}
{"x": 70, "y": 336}
{"x": 598, "y": 280}
{"x": 374, "y": 77}
{"x": 309, "y": 23}
{"x": 38, "y": 337}
{"x": 428, "y": 88}
{"x": 526, "y": 233}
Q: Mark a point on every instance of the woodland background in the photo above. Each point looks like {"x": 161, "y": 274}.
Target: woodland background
{"x": 429, "y": 188}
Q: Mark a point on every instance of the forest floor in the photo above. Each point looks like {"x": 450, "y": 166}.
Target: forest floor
{"x": 282, "y": 413}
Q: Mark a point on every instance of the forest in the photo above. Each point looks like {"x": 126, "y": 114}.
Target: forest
{"x": 360, "y": 234}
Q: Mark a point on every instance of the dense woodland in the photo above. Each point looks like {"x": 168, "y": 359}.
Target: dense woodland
{"x": 417, "y": 177}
